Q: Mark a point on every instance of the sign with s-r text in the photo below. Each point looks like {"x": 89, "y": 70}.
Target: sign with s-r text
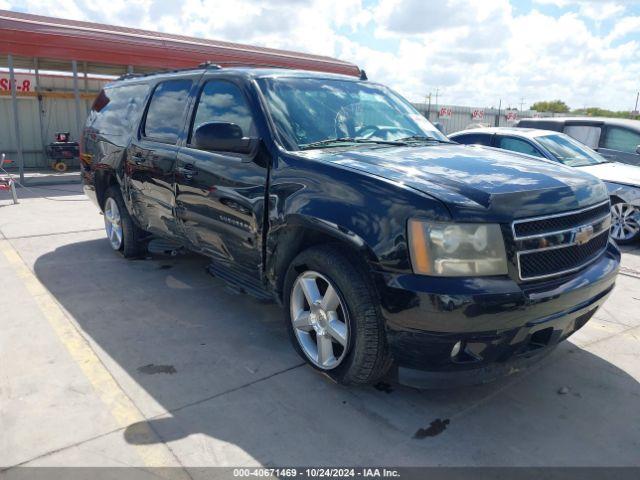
{"x": 445, "y": 112}
{"x": 23, "y": 83}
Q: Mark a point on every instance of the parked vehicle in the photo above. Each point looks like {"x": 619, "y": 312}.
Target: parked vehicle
{"x": 384, "y": 241}
{"x": 616, "y": 139}
{"x": 623, "y": 181}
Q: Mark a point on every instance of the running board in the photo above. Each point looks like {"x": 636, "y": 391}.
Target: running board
{"x": 161, "y": 246}
{"x": 239, "y": 281}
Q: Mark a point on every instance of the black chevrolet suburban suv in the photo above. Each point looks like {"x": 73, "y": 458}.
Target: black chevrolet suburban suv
{"x": 386, "y": 243}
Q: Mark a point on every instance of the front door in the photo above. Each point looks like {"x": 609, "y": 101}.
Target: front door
{"x": 621, "y": 144}
{"x": 220, "y": 195}
{"x": 151, "y": 157}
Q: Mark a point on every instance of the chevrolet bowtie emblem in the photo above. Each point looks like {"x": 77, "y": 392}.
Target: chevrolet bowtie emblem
{"x": 583, "y": 234}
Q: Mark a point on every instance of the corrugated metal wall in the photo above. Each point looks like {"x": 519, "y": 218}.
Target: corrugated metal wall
{"x": 461, "y": 117}
{"x": 58, "y": 115}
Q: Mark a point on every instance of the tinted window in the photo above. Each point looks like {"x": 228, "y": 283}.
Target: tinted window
{"x": 474, "y": 139}
{"x": 223, "y": 102}
{"x": 621, "y": 139}
{"x": 517, "y": 145}
{"x": 164, "y": 120}
{"x": 115, "y": 109}
{"x": 590, "y": 136}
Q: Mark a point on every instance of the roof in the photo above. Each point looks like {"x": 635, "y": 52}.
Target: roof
{"x": 252, "y": 72}
{"x": 58, "y": 41}
{"x": 635, "y": 124}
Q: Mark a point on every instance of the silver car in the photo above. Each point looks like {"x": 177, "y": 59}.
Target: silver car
{"x": 622, "y": 180}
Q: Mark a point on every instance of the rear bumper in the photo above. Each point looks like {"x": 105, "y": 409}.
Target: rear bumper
{"x": 489, "y": 321}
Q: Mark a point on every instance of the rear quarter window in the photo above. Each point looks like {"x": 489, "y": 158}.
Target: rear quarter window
{"x": 116, "y": 109}
{"x": 474, "y": 139}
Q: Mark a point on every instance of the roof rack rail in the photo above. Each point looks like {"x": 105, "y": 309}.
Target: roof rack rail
{"x": 127, "y": 75}
{"x": 205, "y": 65}
{"x": 209, "y": 64}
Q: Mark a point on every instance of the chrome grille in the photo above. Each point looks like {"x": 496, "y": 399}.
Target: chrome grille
{"x": 562, "y": 243}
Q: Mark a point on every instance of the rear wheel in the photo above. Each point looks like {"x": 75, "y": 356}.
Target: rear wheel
{"x": 625, "y": 220}
{"x": 123, "y": 235}
{"x": 333, "y": 317}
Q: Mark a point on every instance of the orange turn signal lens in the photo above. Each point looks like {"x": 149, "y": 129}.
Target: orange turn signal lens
{"x": 418, "y": 248}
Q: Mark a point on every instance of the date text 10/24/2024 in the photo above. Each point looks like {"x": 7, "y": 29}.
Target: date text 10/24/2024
{"x": 318, "y": 472}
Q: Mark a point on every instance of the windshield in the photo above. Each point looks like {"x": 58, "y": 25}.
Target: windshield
{"x": 569, "y": 151}
{"x": 320, "y": 113}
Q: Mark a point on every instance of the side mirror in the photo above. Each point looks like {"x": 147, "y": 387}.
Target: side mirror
{"x": 638, "y": 149}
{"x": 222, "y": 137}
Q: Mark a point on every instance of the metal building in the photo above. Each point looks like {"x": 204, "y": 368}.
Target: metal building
{"x": 40, "y": 105}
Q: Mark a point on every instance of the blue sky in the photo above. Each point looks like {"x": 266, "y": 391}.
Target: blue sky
{"x": 474, "y": 52}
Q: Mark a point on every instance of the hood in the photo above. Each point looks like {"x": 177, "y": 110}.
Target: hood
{"x": 475, "y": 182}
{"x": 615, "y": 172}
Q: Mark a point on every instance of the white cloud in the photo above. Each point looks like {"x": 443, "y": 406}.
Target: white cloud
{"x": 474, "y": 51}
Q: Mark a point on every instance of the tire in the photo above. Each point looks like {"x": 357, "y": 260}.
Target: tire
{"x": 364, "y": 358}
{"x": 123, "y": 235}
{"x": 625, "y": 229}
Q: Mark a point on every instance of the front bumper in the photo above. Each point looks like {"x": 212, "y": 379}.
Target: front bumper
{"x": 473, "y": 324}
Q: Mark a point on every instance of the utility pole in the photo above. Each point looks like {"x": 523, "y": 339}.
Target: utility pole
{"x": 428, "y": 97}
{"x": 498, "y": 115}
{"x": 521, "y": 103}
{"x": 437, "y": 90}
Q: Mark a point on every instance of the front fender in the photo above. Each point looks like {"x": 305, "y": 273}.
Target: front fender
{"x": 626, "y": 193}
{"x": 365, "y": 212}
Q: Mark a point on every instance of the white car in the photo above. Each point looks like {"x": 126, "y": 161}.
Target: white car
{"x": 622, "y": 180}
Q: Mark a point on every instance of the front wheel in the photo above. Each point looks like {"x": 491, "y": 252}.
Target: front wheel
{"x": 333, "y": 316}
{"x": 625, "y": 226}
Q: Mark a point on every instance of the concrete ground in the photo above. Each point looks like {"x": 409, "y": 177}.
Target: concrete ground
{"x": 108, "y": 362}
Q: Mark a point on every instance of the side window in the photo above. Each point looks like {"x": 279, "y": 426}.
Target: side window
{"x": 517, "y": 145}
{"x": 164, "y": 119}
{"x": 222, "y": 101}
{"x": 474, "y": 139}
{"x": 115, "y": 109}
{"x": 621, "y": 139}
{"x": 590, "y": 136}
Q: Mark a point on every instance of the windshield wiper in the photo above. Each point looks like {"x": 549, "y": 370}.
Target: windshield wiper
{"x": 330, "y": 141}
{"x": 422, "y": 138}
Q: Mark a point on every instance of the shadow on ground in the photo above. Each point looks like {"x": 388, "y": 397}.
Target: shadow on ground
{"x": 211, "y": 368}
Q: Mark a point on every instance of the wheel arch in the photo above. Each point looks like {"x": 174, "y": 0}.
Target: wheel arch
{"x": 301, "y": 232}
{"x": 104, "y": 179}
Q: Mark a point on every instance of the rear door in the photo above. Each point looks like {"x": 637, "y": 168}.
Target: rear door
{"x": 220, "y": 195}
{"x": 151, "y": 156}
{"x": 620, "y": 144}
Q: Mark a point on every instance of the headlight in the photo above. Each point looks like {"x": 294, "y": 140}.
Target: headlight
{"x": 456, "y": 249}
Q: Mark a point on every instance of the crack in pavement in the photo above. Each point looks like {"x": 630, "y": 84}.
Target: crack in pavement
{"x": 53, "y": 234}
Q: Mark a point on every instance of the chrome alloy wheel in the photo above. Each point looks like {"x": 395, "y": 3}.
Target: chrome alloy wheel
{"x": 112, "y": 223}
{"x": 625, "y": 221}
{"x": 319, "y": 320}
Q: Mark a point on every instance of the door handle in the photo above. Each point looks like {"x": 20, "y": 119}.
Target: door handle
{"x": 188, "y": 171}
{"x": 138, "y": 159}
